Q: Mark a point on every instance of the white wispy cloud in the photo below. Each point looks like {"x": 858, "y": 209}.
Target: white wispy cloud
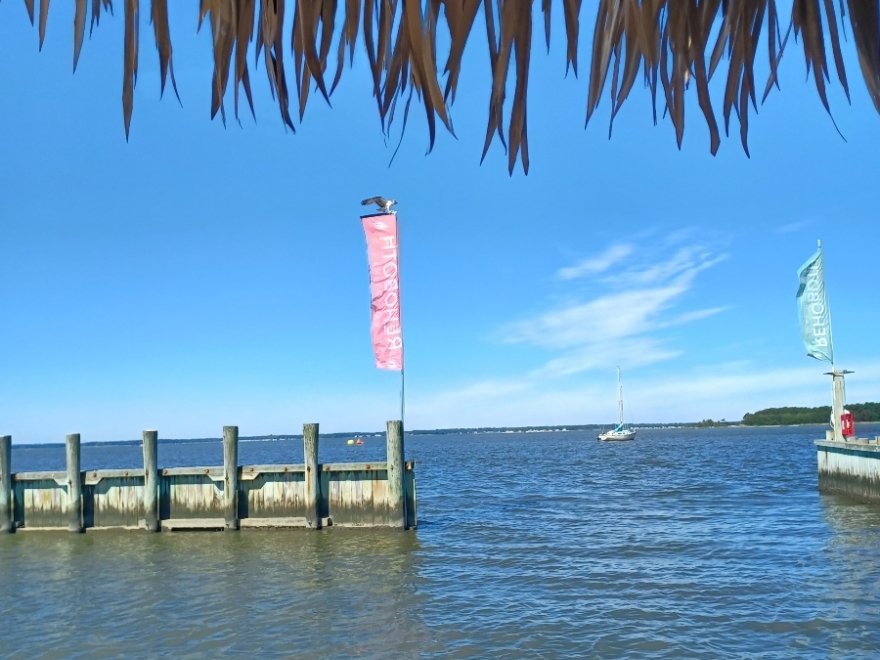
{"x": 640, "y": 352}
{"x": 639, "y": 298}
{"x": 717, "y": 391}
{"x": 598, "y": 264}
{"x": 684, "y": 265}
{"x": 793, "y": 227}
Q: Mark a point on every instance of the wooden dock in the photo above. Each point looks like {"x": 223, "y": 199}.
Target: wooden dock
{"x": 228, "y": 497}
{"x": 850, "y": 467}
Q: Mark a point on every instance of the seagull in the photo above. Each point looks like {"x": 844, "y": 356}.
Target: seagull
{"x": 382, "y": 203}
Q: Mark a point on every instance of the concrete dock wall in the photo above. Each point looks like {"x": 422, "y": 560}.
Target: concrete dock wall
{"x": 309, "y": 495}
{"x": 851, "y": 468}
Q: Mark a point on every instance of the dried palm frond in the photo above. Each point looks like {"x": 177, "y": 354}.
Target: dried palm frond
{"x": 673, "y": 43}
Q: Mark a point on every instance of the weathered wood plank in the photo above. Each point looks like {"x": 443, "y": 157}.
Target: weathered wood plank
{"x": 261, "y": 523}
{"x": 191, "y": 496}
{"x": 273, "y": 495}
{"x": 94, "y": 477}
{"x": 334, "y": 487}
{"x": 411, "y": 502}
{"x": 344, "y": 510}
{"x": 212, "y": 472}
{"x": 380, "y": 498}
{"x": 356, "y": 498}
{"x": 173, "y": 524}
{"x": 59, "y": 477}
{"x": 115, "y": 502}
{"x": 40, "y": 503}
{"x": 248, "y": 472}
{"x": 352, "y": 467}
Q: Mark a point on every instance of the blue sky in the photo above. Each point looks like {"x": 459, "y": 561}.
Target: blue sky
{"x": 202, "y": 275}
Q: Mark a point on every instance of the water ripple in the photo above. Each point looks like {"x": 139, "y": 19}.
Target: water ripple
{"x": 684, "y": 543}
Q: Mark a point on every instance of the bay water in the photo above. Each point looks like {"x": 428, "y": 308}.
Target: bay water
{"x": 683, "y": 543}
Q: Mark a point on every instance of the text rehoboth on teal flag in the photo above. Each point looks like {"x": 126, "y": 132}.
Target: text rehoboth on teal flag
{"x": 813, "y": 311}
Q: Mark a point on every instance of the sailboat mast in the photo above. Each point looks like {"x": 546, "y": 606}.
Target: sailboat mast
{"x": 620, "y": 395}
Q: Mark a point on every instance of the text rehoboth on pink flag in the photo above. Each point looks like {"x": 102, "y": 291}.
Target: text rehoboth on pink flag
{"x": 382, "y": 255}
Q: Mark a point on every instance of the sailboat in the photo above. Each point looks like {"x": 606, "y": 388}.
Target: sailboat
{"x": 619, "y": 432}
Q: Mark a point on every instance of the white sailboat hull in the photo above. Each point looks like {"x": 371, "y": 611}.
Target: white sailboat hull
{"x": 625, "y": 434}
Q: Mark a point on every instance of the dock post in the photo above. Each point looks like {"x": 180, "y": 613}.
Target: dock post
{"x": 7, "y": 523}
{"x": 74, "y": 485}
{"x": 310, "y": 455}
{"x": 230, "y": 476}
{"x": 151, "y": 481}
{"x": 394, "y": 450}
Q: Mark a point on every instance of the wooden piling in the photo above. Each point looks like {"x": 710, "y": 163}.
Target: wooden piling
{"x": 230, "y": 476}
{"x": 74, "y": 485}
{"x": 312, "y": 476}
{"x": 394, "y": 450}
{"x": 6, "y": 518}
{"x": 151, "y": 480}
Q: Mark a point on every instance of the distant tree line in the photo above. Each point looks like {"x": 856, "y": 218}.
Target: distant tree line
{"x": 862, "y": 412}
{"x": 712, "y": 422}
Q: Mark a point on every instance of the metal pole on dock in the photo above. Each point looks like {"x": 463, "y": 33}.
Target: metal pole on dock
{"x": 230, "y": 476}
{"x": 7, "y": 524}
{"x": 394, "y": 450}
{"x": 310, "y": 454}
{"x": 837, "y": 403}
{"x": 151, "y": 481}
{"x": 74, "y": 485}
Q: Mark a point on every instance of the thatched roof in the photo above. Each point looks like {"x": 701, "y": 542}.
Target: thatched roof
{"x": 669, "y": 44}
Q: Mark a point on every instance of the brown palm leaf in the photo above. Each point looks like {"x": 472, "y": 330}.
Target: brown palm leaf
{"x": 673, "y": 44}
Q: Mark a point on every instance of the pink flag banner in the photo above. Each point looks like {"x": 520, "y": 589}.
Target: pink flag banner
{"x": 382, "y": 255}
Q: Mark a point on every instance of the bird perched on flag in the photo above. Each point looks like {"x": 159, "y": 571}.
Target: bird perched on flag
{"x": 382, "y": 203}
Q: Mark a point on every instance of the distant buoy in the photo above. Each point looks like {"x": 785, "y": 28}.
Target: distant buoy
{"x": 350, "y": 442}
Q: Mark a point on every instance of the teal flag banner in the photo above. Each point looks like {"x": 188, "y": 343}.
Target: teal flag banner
{"x": 815, "y": 317}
